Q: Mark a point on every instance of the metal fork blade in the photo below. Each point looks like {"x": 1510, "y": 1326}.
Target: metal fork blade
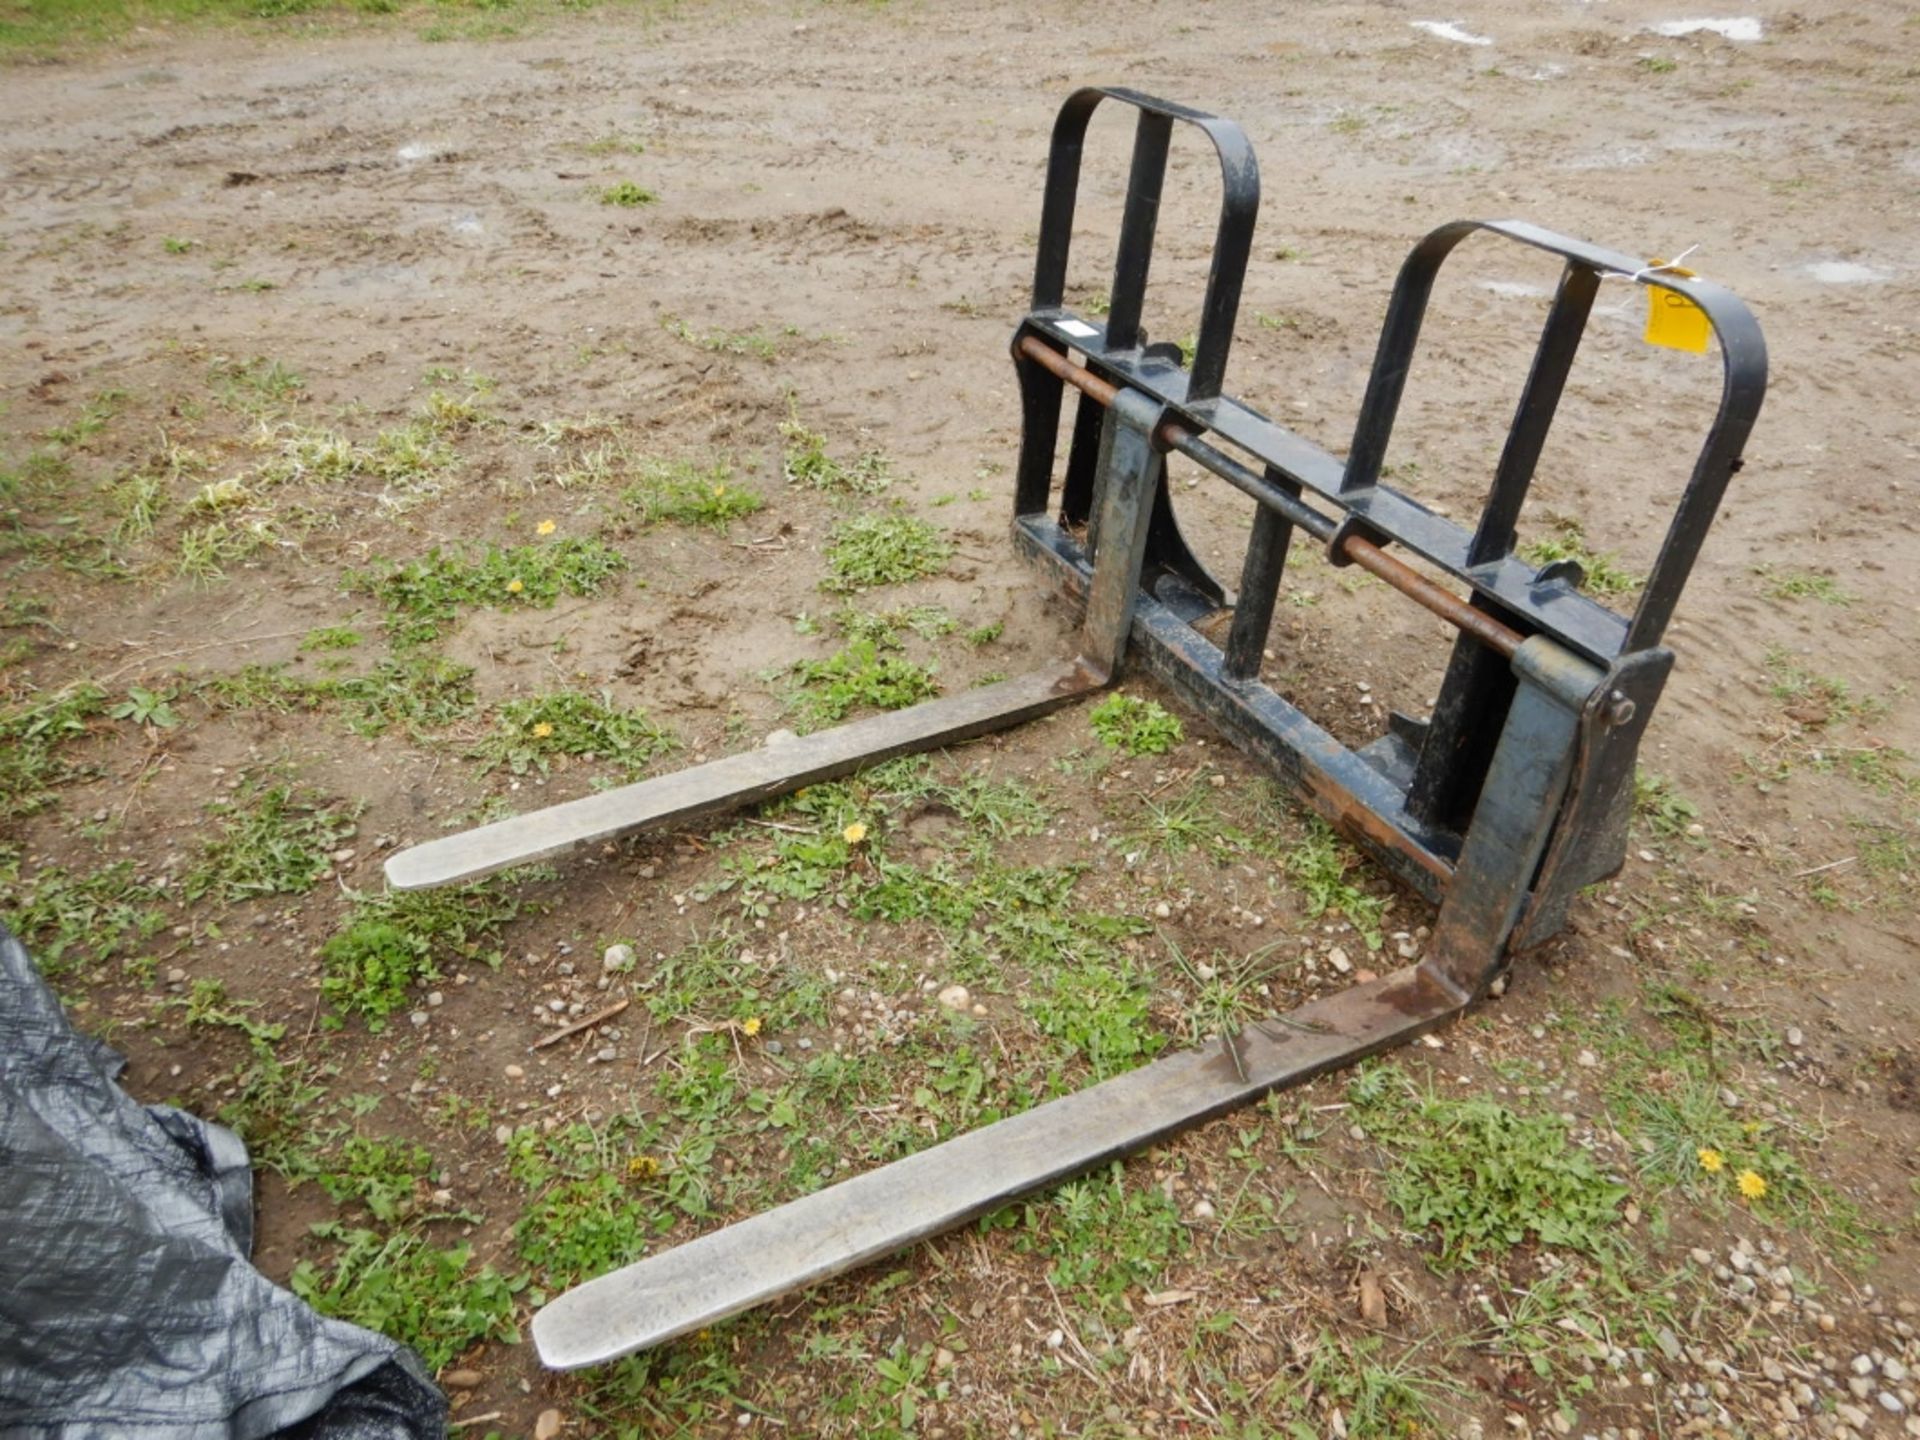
{"x": 739, "y": 779}
{"x": 834, "y": 1230}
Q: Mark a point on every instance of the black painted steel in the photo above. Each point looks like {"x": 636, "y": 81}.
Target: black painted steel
{"x": 1504, "y": 796}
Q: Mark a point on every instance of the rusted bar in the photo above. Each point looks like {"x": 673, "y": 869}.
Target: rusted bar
{"x": 1442, "y": 602}
{"x": 1364, "y": 553}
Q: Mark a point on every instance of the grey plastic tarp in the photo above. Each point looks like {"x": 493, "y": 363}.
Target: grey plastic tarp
{"x": 127, "y": 1306}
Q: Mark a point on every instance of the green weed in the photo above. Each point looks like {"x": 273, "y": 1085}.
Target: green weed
{"x": 255, "y": 387}
{"x": 805, "y": 461}
{"x": 883, "y": 548}
{"x": 526, "y": 733}
{"x": 93, "y": 418}
{"x": 387, "y": 1178}
{"x": 727, "y": 342}
{"x": 929, "y": 622}
{"x": 1102, "y": 1237}
{"x": 418, "y": 690}
{"x": 1190, "y": 819}
{"x": 33, "y": 734}
{"x": 1135, "y": 726}
{"x": 688, "y": 494}
{"x": 68, "y": 920}
{"x": 423, "y": 595}
{"x": 1374, "y": 1395}
{"x": 405, "y": 1287}
{"x": 1319, "y": 865}
{"x": 1662, "y": 809}
{"x": 1802, "y": 585}
{"x": 147, "y": 707}
{"x": 859, "y": 676}
{"x": 1103, "y": 1012}
{"x": 627, "y": 195}
{"x": 208, "y": 1004}
{"x": 331, "y": 637}
{"x": 275, "y": 1106}
{"x": 271, "y": 841}
{"x": 394, "y": 942}
{"x": 1604, "y": 578}
{"x": 614, "y": 143}
{"x": 1484, "y": 1178}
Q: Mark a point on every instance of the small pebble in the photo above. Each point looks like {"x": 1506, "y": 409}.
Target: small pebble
{"x": 547, "y": 1426}
{"x": 418, "y": 1017}
{"x": 955, "y": 997}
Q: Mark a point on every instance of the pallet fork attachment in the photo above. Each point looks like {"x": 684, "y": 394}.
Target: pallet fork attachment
{"x": 1498, "y": 807}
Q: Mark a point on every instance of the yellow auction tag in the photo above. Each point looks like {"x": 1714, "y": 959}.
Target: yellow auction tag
{"x": 1673, "y": 320}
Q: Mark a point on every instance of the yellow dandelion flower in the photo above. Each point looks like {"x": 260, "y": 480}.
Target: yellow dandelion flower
{"x": 1751, "y": 1185}
{"x": 545, "y": 527}
{"x": 719, "y": 490}
{"x": 750, "y": 1026}
{"x": 542, "y": 730}
{"x": 514, "y": 587}
{"x": 1712, "y": 1161}
{"x": 642, "y": 1167}
{"x": 854, "y": 833}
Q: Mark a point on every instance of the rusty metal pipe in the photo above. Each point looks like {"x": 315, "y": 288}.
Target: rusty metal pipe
{"x": 1361, "y": 551}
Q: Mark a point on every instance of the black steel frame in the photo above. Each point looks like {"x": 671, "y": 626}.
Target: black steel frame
{"x": 1418, "y": 797}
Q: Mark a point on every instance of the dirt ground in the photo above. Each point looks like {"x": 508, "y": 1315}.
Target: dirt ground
{"x": 219, "y": 242}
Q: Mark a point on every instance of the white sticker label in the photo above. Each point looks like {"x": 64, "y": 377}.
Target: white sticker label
{"x": 1079, "y": 329}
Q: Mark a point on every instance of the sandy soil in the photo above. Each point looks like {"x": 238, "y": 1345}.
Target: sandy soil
{"x": 862, "y": 186}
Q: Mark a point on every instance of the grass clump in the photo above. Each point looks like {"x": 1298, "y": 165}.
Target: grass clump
{"x": 1803, "y": 585}
{"x": 1319, "y": 865}
{"x": 331, "y": 637}
{"x": 1102, "y": 1238}
{"x": 883, "y": 548}
{"x": 864, "y": 675}
{"x": 272, "y": 841}
{"x": 805, "y": 461}
{"x": 1139, "y": 727}
{"x": 590, "y": 1212}
{"x": 418, "y": 690}
{"x": 1605, "y": 578}
{"x": 1103, "y": 1011}
{"x": 384, "y": 1177}
{"x": 1482, "y": 1177}
{"x": 32, "y": 735}
{"x": 68, "y": 920}
{"x": 527, "y": 733}
{"x": 627, "y": 195}
{"x": 1661, "y": 808}
{"x": 404, "y": 1286}
{"x": 395, "y": 941}
{"x": 423, "y": 595}
{"x": 727, "y": 342}
{"x": 689, "y": 494}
